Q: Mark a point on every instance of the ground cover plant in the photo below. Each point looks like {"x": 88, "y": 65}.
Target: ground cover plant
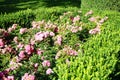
{"x": 64, "y": 48}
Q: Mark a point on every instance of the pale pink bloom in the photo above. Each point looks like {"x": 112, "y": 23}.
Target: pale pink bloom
{"x": 9, "y": 48}
{"x": 35, "y": 24}
{"x": 73, "y": 52}
{"x": 77, "y": 18}
{"x": 94, "y": 31}
{"x": 1, "y": 43}
{"x": 46, "y": 63}
{"x": 10, "y": 77}
{"x": 39, "y": 51}
{"x": 32, "y": 42}
{"x": 10, "y": 29}
{"x": 49, "y": 71}
{"x": 15, "y": 39}
{"x": 52, "y": 34}
{"x": 36, "y": 65}
{"x": 80, "y": 28}
{"x": 20, "y": 45}
{"x": 89, "y": 13}
{"x": 22, "y": 54}
{"x": 43, "y": 57}
{"x": 92, "y": 19}
{"x": 46, "y": 34}
{"x": 101, "y": 21}
{"x": 59, "y": 40}
{"x": 58, "y": 55}
{"x": 14, "y": 26}
{"x": 23, "y": 30}
{"x": 28, "y": 77}
{"x": 67, "y": 62}
{"x": 14, "y": 63}
{"x": 4, "y": 50}
{"x": 39, "y": 36}
{"x": 29, "y": 49}
{"x": 74, "y": 30}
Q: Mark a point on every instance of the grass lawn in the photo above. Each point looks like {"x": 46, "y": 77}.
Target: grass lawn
{"x": 9, "y": 6}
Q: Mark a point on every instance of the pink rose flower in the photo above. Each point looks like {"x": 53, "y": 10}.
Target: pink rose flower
{"x": 28, "y": 77}
{"x": 46, "y": 34}
{"x": 59, "y": 40}
{"x": 15, "y": 39}
{"x": 39, "y": 36}
{"x": 77, "y": 18}
{"x": 46, "y": 63}
{"x": 21, "y": 54}
{"x": 10, "y": 29}
{"x": 49, "y": 71}
{"x": 52, "y": 34}
{"x": 89, "y": 13}
{"x": 1, "y": 43}
{"x": 39, "y": 51}
{"x": 20, "y": 45}
{"x": 14, "y": 26}
{"x": 36, "y": 65}
{"x": 23, "y": 30}
{"x": 10, "y": 77}
{"x": 29, "y": 49}
{"x": 95, "y": 30}
{"x": 73, "y": 52}
{"x": 92, "y": 19}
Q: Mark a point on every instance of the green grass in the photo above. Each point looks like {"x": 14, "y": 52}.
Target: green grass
{"x": 9, "y": 6}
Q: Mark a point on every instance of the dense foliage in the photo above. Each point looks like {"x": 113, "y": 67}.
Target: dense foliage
{"x": 101, "y": 4}
{"x": 73, "y": 46}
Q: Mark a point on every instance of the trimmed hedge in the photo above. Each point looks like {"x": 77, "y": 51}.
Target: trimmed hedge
{"x": 23, "y": 18}
{"x": 101, "y": 4}
{"x": 99, "y": 59}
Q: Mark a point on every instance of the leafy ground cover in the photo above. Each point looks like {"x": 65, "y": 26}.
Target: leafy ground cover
{"x": 77, "y": 45}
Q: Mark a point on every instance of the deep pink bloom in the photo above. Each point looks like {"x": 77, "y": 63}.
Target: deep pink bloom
{"x": 5, "y": 34}
{"x": 29, "y": 49}
{"x": 23, "y": 30}
{"x": 49, "y": 71}
{"x": 2, "y": 43}
{"x": 46, "y": 63}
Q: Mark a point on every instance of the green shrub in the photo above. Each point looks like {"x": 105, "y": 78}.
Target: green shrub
{"x": 101, "y": 4}
{"x": 23, "y": 18}
{"x": 99, "y": 55}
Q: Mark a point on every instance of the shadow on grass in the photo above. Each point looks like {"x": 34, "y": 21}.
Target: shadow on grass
{"x": 8, "y": 6}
